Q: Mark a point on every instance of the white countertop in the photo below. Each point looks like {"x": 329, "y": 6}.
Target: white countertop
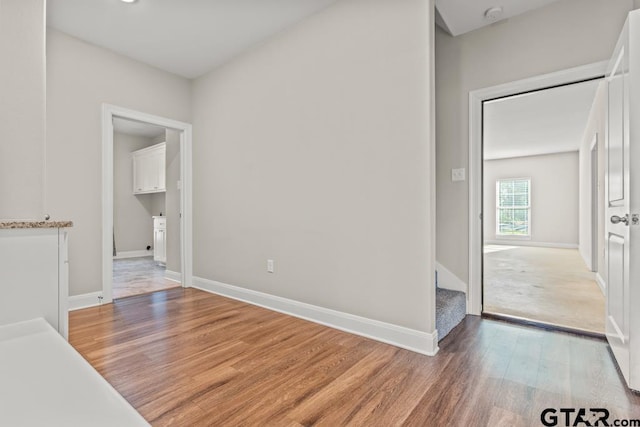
{"x": 44, "y": 381}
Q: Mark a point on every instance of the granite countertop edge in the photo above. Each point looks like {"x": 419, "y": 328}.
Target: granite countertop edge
{"x": 14, "y": 224}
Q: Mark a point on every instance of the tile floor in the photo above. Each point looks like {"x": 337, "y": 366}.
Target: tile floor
{"x": 135, "y": 276}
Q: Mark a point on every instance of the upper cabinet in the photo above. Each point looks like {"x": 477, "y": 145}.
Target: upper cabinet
{"x": 149, "y": 169}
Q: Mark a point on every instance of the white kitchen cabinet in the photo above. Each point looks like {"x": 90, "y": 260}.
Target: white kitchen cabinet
{"x": 34, "y": 276}
{"x": 149, "y": 169}
{"x": 160, "y": 239}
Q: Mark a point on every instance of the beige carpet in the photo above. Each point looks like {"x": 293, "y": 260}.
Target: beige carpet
{"x": 543, "y": 284}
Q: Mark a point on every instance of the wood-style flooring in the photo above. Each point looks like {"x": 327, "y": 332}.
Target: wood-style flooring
{"x": 136, "y": 276}
{"x": 549, "y": 285}
{"x": 189, "y": 358}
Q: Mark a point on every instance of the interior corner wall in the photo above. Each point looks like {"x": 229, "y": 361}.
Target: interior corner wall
{"x": 22, "y": 110}
{"x": 554, "y": 195}
{"x": 596, "y": 125}
{"x": 81, "y": 77}
{"x": 564, "y": 34}
{"x": 314, "y": 150}
{"x": 132, "y": 222}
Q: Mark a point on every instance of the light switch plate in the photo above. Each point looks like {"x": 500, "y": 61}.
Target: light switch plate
{"x": 458, "y": 175}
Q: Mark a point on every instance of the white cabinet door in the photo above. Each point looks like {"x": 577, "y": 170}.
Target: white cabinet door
{"x": 140, "y": 174}
{"x": 160, "y": 245}
{"x": 160, "y": 161}
{"x": 149, "y": 169}
{"x": 33, "y": 276}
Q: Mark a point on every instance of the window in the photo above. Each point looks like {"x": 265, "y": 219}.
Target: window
{"x": 513, "y": 203}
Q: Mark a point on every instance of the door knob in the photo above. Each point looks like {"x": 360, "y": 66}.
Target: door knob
{"x": 617, "y": 219}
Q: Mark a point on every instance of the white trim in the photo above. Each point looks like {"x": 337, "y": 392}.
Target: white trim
{"x": 601, "y": 284}
{"x": 511, "y": 237}
{"x": 77, "y": 302}
{"x": 585, "y": 258}
{"x": 594, "y": 176}
{"x": 594, "y": 141}
{"x": 133, "y": 254}
{"x": 186, "y": 193}
{"x": 63, "y": 282}
{"x": 448, "y": 280}
{"x": 174, "y": 276}
{"x": 535, "y": 244}
{"x": 476, "y": 98}
{"x": 399, "y": 336}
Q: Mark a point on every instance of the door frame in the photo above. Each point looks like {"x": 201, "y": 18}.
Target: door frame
{"x": 186, "y": 194}
{"x": 476, "y": 99}
{"x": 594, "y": 194}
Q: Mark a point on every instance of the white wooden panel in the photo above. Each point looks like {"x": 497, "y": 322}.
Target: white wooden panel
{"x": 615, "y": 153}
{"x": 29, "y": 275}
{"x": 63, "y": 283}
{"x": 616, "y": 296}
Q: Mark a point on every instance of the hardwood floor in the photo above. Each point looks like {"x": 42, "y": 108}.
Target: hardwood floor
{"x": 186, "y": 357}
{"x": 136, "y": 276}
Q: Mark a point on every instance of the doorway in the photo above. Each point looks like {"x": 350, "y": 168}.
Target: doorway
{"x": 536, "y": 169}
{"x": 146, "y": 203}
{"x": 513, "y": 243}
{"x": 146, "y": 208}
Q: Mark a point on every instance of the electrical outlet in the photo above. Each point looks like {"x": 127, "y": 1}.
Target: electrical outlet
{"x": 457, "y": 175}
{"x": 269, "y": 266}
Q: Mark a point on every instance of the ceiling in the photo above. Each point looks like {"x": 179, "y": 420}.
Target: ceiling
{"x": 131, "y": 127}
{"x": 192, "y": 37}
{"x": 185, "y": 37}
{"x": 461, "y": 16}
{"x": 543, "y": 122}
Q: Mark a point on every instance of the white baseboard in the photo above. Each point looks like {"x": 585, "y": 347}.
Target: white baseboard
{"x": 133, "y": 254}
{"x": 77, "y": 302}
{"x": 514, "y": 242}
{"x": 448, "y": 280}
{"x": 587, "y": 259}
{"x": 173, "y": 276}
{"x": 399, "y": 336}
{"x": 601, "y": 284}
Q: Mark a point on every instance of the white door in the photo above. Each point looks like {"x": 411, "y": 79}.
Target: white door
{"x": 621, "y": 195}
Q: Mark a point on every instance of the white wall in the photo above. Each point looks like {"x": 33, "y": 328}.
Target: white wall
{"x": 158, "y": 204}
{"x": 80, "y": 78}
{"x": 565, "y": 34}
{"x": 22, "y": 110}
{"x": 595, "y": 125}
{"x": 554, "y": 197}
{"x": 314, "y": 150}
{"x": 132, "y": 222}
